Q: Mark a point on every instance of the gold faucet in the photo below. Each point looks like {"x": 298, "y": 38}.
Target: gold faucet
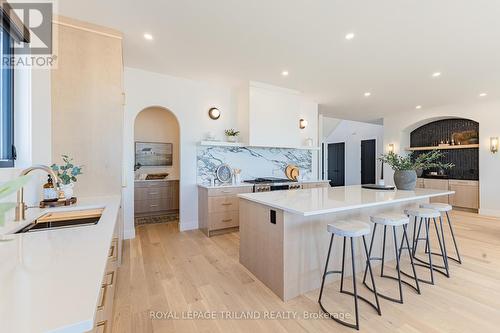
{"x": 21, "y": 206}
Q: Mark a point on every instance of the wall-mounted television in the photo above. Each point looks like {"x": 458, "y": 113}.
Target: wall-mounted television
{"x": 155, "y": 154}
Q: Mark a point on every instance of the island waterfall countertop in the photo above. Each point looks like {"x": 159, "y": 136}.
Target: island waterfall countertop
{"x": 50, "y": 280}
{"x": 309, "y": 202}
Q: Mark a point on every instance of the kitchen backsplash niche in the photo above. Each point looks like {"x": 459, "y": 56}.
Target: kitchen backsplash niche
{"x": 254, "y": 162}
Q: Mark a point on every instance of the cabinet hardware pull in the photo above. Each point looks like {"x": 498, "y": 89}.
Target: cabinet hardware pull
{"x": 103, "y": 325}
{"x": 103, "y": 299}
{"x": 153, "y": 193}
{"x": 111, "y": 252}
{"x": 225, "y": 191}
{"x": 227, "y": 204}
{"x": 227, "y": 220}
{"x": 112, "y": 274}
{"x": 153, "y": 205}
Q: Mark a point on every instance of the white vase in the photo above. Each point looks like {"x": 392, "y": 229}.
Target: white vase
{"x": 67, "y": 189}
{"x": 232, "y": 138}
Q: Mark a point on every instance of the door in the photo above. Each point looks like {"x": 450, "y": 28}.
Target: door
{"x": 336, "y": 164}
{"x": 368, "y": 161}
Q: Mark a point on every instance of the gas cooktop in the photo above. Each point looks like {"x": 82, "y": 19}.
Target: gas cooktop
{"x": 268, "y": 180}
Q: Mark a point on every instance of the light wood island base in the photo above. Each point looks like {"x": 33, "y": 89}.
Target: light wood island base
{"x": 289, "y": 256}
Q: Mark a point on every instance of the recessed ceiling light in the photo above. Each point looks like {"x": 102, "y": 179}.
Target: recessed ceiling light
{"x": 436, "y": 74}
{"x": 367, "y": 94}
{"x": 350, "y": 36}
{"x": 418, "y": 107}
{"x": 483, "y": 94}
{"x": 148, "y": 36}
{"x": 284, "y": 73}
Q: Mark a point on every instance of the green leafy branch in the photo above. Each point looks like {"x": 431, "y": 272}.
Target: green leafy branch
{"x": 423, "y": 161}
{"x": 67, "y": 172}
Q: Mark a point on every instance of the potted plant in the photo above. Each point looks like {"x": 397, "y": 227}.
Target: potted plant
{"x": 232, "y": 135}
{"x": 405, "y": 167}
{"x": 67, "y": 174}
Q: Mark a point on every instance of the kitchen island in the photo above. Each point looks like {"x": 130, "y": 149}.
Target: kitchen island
{"x": 283, "y": 236}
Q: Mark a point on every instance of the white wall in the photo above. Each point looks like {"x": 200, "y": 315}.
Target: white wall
{"x": 189, "y": 101}
{"x": 352, "y": 133}
{"x": 32, "y": 130}
{"x": 397, "y": 130}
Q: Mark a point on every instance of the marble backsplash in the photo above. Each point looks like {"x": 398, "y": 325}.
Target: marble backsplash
{"x": 253, "y": 161}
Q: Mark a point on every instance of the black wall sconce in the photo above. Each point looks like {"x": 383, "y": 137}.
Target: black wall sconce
{"x": 214, "y": 113}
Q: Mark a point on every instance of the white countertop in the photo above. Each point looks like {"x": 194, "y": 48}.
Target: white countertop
{"x": 243, "y": 184}
{"x": 50, "y": 280}
{"x": 308, "y": 202}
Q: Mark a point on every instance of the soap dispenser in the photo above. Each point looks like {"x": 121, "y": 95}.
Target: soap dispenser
{"x": 49, "y": 191}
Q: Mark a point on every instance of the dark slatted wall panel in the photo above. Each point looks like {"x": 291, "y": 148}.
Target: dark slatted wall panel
{"x": 466, "y": 160}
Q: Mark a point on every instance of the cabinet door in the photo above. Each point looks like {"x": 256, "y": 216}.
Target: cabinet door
{"x": 437, "y": 184}
{"x": 466, "y": 194}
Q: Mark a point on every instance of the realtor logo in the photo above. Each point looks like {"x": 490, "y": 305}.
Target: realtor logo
{"x": 37, "y": 17}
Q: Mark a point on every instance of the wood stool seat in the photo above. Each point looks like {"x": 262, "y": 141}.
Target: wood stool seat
{"x": 425, "y": 213}
{"x": 390, "y": 219}
{"x": 351, "y": 228}
{"x": 440, "y": 207}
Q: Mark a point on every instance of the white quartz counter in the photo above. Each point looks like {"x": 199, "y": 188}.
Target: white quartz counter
{"x": 316, "y": 201}
{"x": 50, "y": 280}
{"x": 243, "y": 184}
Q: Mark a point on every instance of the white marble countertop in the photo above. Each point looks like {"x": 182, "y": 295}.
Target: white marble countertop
{"x": 50, "y": 280}
{"x": 316, "y": 201}
{"x": 243, "y": 184}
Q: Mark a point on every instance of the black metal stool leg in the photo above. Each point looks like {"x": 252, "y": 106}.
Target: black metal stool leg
{"x": 373, "y": 280}
{"x": 355, "y": 290}
{"x": 421, "y": 262}
{"x": 459, "y": 260}
{"x": 397, "y": 264}
{"x": 370, "y": 252}
{"x": 415, "y": 277}
{"x": 383, "y": 252}
{"x": 326, "y": 269}
{"x": 343, "y": 265}
{"x": 442, "y": 269}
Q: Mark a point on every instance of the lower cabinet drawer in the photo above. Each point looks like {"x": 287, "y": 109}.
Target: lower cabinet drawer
{"x": 153, "y": 205}
{"x": 222, "y": 204}
{"x": 223, "y": 220}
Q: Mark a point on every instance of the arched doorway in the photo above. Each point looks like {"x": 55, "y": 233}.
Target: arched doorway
{"x": 156, "y": 166}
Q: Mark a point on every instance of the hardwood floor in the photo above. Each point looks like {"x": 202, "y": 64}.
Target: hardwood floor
{"x": 171, "y": 273}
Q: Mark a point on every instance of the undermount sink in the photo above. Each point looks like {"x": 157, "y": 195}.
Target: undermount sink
{"x": 64, "y": 219}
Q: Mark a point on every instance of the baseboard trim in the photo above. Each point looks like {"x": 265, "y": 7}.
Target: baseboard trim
{"x": 489, "y": 212}
{"x": 185, "y": 226}
{"x": 129, "y": 233}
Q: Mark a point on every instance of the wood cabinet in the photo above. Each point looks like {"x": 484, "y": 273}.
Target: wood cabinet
{"x": 156, "y": 197}
{"x": 437, "y": 184}
{"x": 466, "y": 193}
{"x": 104, "y": 312}
{"x": 315, "y": 185}
{"x": 218, "y": 208}
{"x": 87, "y": 103}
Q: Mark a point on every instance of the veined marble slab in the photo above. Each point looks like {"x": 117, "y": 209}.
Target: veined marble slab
{"x": 254, "y": 162}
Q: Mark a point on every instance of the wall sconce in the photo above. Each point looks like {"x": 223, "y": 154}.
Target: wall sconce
{"x": 494, "y": 144}
{"x": 390, "y": 148}
{"x": 214, "y": 113}
{"x": 302, "y": 123}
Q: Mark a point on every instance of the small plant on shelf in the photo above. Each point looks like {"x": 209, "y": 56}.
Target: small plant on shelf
{"x": 405, "y": 166}
{"x": 67, "y": 174}
{"x": 232, "y": 134}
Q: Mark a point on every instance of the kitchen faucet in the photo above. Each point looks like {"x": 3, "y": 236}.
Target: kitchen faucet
{"x": 21, "y": 206}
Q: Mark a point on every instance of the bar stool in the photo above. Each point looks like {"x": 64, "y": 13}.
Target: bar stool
{"x": 393, "y": 220}
{"x": 445, "y": 208}
{"x": 426, "y": 215}
{"x": 349, "y": 229}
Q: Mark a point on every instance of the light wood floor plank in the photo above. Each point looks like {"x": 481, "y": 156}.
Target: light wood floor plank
{"x": 181, "y": 273}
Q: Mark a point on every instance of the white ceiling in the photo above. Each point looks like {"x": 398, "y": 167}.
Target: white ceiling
{"x": 398, "y": 45}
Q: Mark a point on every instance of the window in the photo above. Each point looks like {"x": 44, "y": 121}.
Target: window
{"x": 7, "y": 150}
